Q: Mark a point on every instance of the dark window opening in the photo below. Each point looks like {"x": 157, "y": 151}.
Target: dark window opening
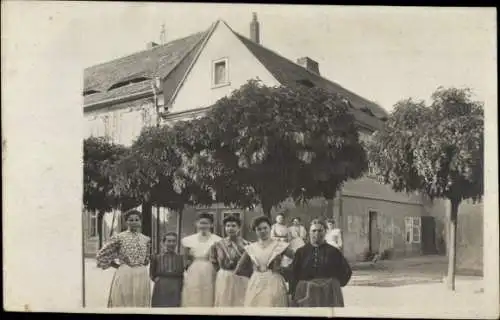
{"x": 88, "y": 92}
{"x": 306, "y": 83}
{"x": 127, "y": 82}
{"x": 220, "y": 73}
{"x": 367, "y": 110}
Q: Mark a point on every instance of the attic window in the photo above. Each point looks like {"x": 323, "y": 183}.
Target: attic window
{"x": 347, "y": 102}
{"x": 306, "y": 83}
{"x": 127, "y": 82}
{"x": 89, "y": 92}
{"x": 220, "y": 74}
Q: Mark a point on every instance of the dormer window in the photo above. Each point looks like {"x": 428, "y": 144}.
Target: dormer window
{"x": 220, "y": 74}
{"x": 368, "y": 111}
{"x": 306, "y": 83}
{"x": 89, "y": 92}
{"x": 128, "y": 82}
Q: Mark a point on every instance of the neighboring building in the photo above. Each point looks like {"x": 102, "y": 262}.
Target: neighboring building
{"x": 194, "y": 72}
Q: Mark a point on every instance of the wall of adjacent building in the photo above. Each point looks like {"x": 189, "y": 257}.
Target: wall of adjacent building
{"x": 122, "y": 122}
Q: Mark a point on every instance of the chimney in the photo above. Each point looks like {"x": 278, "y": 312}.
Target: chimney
{"x": 151, "y": 45}
{"x": 254, "y": 29}
{"x": 309, "y": 64}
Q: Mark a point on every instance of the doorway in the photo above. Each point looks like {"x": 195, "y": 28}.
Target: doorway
{"x": 373, "y": 232}
{"x": 428, "y": 239}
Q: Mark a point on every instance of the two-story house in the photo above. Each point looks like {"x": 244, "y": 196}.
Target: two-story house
{"x": 194, "y": 72}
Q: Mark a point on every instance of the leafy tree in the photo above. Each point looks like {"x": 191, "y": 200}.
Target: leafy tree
{"x": 153, "y": 171}
{"x": 437, "y": 150}
{"x": 262, "y": 145}
{"x": 99, "y": 155}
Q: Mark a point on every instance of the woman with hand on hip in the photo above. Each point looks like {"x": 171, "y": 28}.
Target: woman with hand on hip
{"x": 229, "y": 288}
{"x": 262, "y": 263}
{"x": 129, "y": 252}
{"x": 199, "y": 279}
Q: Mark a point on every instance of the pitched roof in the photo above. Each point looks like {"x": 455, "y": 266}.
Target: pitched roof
{"x": 289, "y": 73}
{"x": 172, "y": 61}
{"x": 159, "y": 61}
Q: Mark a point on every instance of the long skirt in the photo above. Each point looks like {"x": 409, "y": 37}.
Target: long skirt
{"x": 131, "y": 287}
{"x": 319, "y": 293}
{"x": 267, "y": 290}
{"x": 198, "y": 288}
{"x": 229, "y": 289}
{"x": 167, "y": 292}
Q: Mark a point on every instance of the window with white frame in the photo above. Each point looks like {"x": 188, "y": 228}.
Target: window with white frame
{"x": 413, "y": 227}
{"x": 107, "y": 126}
{"x": 147, "y": 117}
{"x": 372, "y": 170}
{"x": 350, "y": 222}
{"x": 96, "y": 128}
{"x": 93, "y": 230}
{"x": 220, "y": 75}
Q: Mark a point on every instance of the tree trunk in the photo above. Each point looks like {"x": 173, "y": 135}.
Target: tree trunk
{"x": 100, "y": 216}
{"x": 330, "y": 210}
{"x": 179, "y": 229}
{"x": 452, "y": 253}
{"x": 158, "y": 233}
{"x": 112, "y": 224}
{"x": 267, "y": 209}
{"x": 147, "y": 219}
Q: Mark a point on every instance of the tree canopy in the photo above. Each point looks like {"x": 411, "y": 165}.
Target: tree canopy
{"x": 435, "y": 149}
{"x": 99, "y": 155}
{"x": 262, "y": 145}
{"x": 153, "y": 171}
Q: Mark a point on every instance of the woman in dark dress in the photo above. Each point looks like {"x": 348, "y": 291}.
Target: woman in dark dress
{"x": 318, "y": 272}
{"x": 166, "y": 271}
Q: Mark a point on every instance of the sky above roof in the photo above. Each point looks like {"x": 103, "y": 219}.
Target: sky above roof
{"x": 382, "y": 53}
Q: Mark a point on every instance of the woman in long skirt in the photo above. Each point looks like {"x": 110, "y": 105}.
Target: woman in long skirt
{"x": 166, "y": 270}
{"x": 198, "y": 288}
{"x": 225, "y": 254}
{"x": 128, "y": 252}
{"x": 262, "y": 262}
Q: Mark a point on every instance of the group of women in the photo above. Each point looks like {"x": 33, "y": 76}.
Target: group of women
{"x": 296, "y": 234}
{"x": 214, "y": 272}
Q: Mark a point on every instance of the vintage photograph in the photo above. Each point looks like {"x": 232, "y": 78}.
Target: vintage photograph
{"x": 260, "y": 157}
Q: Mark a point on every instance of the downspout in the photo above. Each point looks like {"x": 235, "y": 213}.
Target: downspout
{"x": 83, "y": 258}
{"x": 155, "y": 87}
{"x": 341, "y": 220}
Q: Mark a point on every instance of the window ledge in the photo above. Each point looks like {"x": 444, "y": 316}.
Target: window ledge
{"x": 217, "y": 86}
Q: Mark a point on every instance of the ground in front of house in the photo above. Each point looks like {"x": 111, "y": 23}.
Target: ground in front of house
{"x": 413, "y": 283}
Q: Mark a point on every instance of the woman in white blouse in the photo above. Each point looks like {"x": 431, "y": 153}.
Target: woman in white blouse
{"x": 199, "y": 279}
